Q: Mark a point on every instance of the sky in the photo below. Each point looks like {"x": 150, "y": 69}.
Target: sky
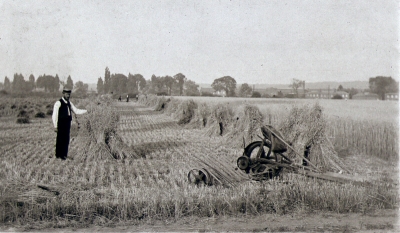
{"x": 271, "y": 42}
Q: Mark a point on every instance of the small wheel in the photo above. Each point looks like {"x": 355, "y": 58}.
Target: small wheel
{"x": 201, "y": 176}
{"x": 243, "y": 162}
{"x": 207, "y": 179}
{"x": 193, "y": 176}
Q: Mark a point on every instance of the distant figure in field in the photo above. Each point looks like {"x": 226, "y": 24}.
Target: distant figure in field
{"x": 137, "y": 97}
{"x": 62, "y": 117}
{"x": 127, "y": 98}
{"x": 119, "y": 98}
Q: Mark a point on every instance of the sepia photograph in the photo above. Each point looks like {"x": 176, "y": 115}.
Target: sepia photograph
{"x": 199, "y": 116}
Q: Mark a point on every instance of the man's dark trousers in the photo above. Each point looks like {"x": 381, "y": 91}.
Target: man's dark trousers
{"x": 63, "y": 132}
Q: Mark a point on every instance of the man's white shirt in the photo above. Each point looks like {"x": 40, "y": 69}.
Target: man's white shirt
{"x": 57, "y": 106}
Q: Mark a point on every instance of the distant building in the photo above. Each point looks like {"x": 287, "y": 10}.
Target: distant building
{"x": 280, "y": 93}
{"x": 392, "y": 96}
{"x": 212, "y": 91}
{"x": 365, "y": 96}
{"x": 206, "y": 89}
{"x": 271, "y": 91}
{"x": 220, "y": 93}
{"x": 262, "y": 91}
{"x": 326, "y": 94}
{"x": 266, "y": 92}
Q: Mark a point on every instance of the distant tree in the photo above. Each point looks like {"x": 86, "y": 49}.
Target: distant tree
{"x": 340, "y": 88}
{"x": 176, "y": 89}
{"x": 157, "y": 85}
{"x": 131, "y": 84}
{"x": 245, "y": 90}
{"x": 140, "y": 81}
{"x": 180, "y": 78}
{"x": 31, "y": 82}
{"x": 100, "y": 86}
{"x": 47, "y": 82}
{"x": 135, "y": 83}
{"x": 191, "y": 88}
{"x": 148, "y": 87}
{"x": 18, "y": 83}
{"x": 169, "y": 83}
{"x": 121, "y": 86}
{"x": 81, "y": 89}
{"x": 118, "y": 83}
{"x": 382, "y": 85}
{"x": 160, "y": 85}
{"x": 56, "y": 83}
{"x": 218, "y": 87}
{"x": 52, "y": 83}
{"x": 337, "y": 97}
{"x": 151, "y": 85}
{"x": 70, "y": 83}
{"x": 296, "y": 83}
{"x": 107, "y": 81}
{"x": 112, "y": 84}
{"x": 40, "y": 82}
{"x": 226, "y": 83}
{"x": 352, "y": 91}
{"x": 256, "y": 94}
{"x": 7, "y": 84}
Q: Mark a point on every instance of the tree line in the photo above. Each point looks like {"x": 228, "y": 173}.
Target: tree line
{"x": 178, "y": 84}
{"x": 136, "y": 83}
{"x": 49, "y": 84}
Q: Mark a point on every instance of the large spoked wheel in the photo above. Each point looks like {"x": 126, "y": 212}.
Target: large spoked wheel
{"x": 253, "y": 151}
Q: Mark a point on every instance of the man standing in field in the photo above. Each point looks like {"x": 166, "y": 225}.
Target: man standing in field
{"x": 62, "y": 117}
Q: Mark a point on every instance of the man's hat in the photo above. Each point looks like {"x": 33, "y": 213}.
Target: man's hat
{"x": 66, "y": 90}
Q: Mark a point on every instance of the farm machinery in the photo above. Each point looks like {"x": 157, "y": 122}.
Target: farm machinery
{"x": 266, "y": 158}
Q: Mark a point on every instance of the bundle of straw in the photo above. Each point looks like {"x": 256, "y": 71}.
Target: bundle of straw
{"x": 161, "y": 103}
{"x": 172, "y": 107}
{"x": 246, "y": 127}
{"x": 305, "y": 129}
{"x": 98, "y": 137}
{"x": 201, "y": 116}
{"x": 221, "y": 117}
{"x": 185, "y": 111}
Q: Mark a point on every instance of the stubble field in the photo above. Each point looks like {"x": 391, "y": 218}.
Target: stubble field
{"x": 148, "y": 184}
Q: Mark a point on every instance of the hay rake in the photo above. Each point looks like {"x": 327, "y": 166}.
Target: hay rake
{"x": 266, "y": 159}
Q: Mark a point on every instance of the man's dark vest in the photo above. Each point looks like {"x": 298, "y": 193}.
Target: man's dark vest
{"x": 63, "y": 111}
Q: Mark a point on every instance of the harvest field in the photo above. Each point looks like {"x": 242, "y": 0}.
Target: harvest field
{"x": 129, "y": 165}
